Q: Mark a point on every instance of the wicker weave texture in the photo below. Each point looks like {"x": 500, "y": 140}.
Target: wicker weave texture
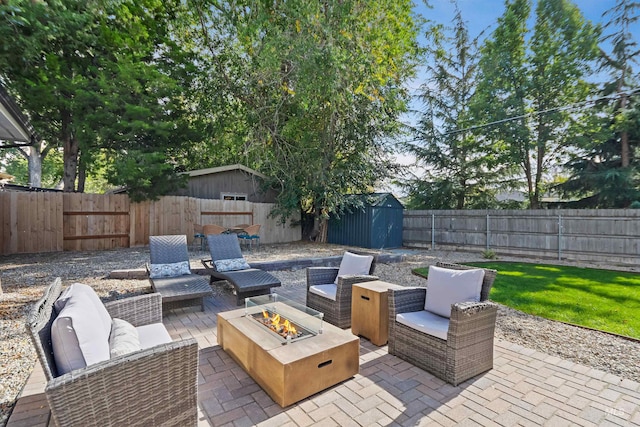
{"x": 336, "y": 312}
{"x": 168, "y": 249}
{"x": 156, "y": 386}
{"x": 468, "y": 349}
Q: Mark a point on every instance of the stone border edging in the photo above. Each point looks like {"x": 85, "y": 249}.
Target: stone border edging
{"x": 291, "y": 264}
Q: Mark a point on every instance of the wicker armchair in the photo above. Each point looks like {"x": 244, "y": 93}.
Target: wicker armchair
{"x": 180, "y": 290}
{"x": 338, "y": 311}
{"x": 468, "y": 349}
{"x": 154, "y": 386}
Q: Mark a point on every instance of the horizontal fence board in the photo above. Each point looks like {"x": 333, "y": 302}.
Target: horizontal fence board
{"x": 594, "y": 235}
{"x": 44, "y": 222}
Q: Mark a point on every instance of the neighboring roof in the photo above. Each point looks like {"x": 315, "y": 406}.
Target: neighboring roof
{"x": 227, "y": 168}
{"x": 14, "y": 126}
{"x": 16, "y": 187}
{"x": 6, "y": 176}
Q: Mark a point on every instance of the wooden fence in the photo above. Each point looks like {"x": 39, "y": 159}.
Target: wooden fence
{"x": 591, "y": 234}
{"x": 50, "y": 222}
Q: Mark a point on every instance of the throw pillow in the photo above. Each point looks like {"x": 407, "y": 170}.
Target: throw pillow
{"x": 353, "y": 264}
{"x": 175, "y": 269}
{"x": 124, "y": 338}
{"x": 232, "y": 264}
{"x": 446, "y": 287}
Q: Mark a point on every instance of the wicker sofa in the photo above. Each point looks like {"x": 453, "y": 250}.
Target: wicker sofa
{"x": 465, "y": 347}
{"x": 153, "y": 386}
{"x": 329, "y": 291}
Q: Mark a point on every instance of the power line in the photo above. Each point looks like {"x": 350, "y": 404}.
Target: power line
{"x": 538, "y": 113}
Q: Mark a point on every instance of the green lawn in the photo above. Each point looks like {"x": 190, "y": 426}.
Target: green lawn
{"x": 599, "y": 299}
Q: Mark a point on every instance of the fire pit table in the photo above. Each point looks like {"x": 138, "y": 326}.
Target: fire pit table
{"x": 287, "y": 348}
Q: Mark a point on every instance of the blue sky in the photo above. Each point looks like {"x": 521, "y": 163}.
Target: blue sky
{"x": 481, "y": 14}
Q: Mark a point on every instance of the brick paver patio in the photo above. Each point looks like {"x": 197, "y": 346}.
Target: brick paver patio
{"x": 525, "y": 388}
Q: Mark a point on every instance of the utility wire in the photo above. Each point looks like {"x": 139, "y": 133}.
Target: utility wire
{"x": 538, "y": 113}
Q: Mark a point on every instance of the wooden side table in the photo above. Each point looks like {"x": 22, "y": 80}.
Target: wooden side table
{"x": 370, "y": 310}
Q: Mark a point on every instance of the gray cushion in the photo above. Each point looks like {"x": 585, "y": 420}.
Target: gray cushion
{"x": 425, "y": 321}
{"x": 326, "y": 291}
{"x": 152, "y": 335}
{"x": 78, "y": 335}
{"x": 353, "y": 264}
{"x": 446, "y": 287}
{"x": 123, "y": 339}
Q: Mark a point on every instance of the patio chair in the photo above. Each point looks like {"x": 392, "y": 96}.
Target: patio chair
{"x": 227, "y": 263}
{"x": 170, "y": 275}
{"x": 198, "y": 236}
{"x": 250, "y": 234}
{"x": 213, "y": 229}
{"x": 446, "y": 328}
{"x": 329, "y": 288}
{"x": 156, "y": 384}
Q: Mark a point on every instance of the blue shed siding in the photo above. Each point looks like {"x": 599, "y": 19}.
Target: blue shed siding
{"x": 375, "y": 226}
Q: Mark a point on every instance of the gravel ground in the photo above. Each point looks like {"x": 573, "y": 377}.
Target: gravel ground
{"x": 24, "y": 278}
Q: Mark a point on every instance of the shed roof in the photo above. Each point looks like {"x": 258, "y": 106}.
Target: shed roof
{"x": 227, "y": 168}
{"x": 377, "y": 199}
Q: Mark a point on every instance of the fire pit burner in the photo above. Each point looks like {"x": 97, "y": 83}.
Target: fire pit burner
{"x": 287, "y": 330}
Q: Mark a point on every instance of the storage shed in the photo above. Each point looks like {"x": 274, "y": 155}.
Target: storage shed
{"x": 376, "y": 225}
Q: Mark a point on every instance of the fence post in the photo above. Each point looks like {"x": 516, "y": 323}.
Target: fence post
{"x": 433, "y": 231}
{"x": 559, "y": 237}
{"x": 487, "y": 232}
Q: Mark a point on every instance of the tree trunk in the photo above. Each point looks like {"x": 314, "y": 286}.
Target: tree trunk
{"x": 82, "y": 175}
{"x": 34, "y": 159}
{"x": 70, "y": 154}
{"x": 624, "y": 137}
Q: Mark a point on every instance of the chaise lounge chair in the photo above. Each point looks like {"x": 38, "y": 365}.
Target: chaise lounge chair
{"x": 170, "y": 275}
{"x": 227, "y": 263}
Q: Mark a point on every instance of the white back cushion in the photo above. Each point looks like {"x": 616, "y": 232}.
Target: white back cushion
{"x": 80, "y": 288}
{"x": 78, "y": 335}
{"x": 353, "y": 264}
{"x": 446, "y": 287}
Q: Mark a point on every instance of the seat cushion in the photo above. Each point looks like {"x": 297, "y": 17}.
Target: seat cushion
{"x": 174, "y": 269}
{"x": 426, "y": 322}
{"x": 124, "y": 338}
{"x": 78, "y": 336}
{"x": 353, "y": 264}
{"x": 447, "y": 286}
{"x": 326, "y": 291}
{"x": 153, "y": 335}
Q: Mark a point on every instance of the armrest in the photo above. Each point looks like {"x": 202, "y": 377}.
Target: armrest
{"x": 405, "y": 300}
{"x": 345, "y": 284}
{"x": 471, "y": 322}
{"x": 208, "y": 264}
{"x": 139, "y": 310}
{"x": 150, "y": 387}
{"x": 321, "y": 275}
